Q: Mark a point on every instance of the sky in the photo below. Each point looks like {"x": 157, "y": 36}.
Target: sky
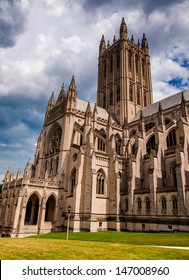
{"x": 44, "y": 43}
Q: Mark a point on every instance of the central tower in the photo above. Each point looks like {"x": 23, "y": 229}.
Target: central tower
{"x": 124, "y": 76}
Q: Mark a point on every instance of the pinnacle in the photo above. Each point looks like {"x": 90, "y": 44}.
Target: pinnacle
{"x": 72, "y": 83}
{"x": 123, "y": 21}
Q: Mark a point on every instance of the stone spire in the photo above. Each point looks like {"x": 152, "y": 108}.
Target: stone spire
{"x": 88, "y": 115}
{"x": 7, "y": 176}
{"x": 72, "y": 95}
{"x": 62, "y": 95}
{"x": 102, "y": 47}
{"x": 12, "y": 176}
{"x": 72, "y": 88}
{"x": 95, "y": 113}
{"x": 50, "y": 105}
{"x": 27, "y": 170}
{"x": 18, "y": 175}
{"x": 144, "y": 42}
{"x": 132, "y": 40}
{"x": 51, "y": 102}
{"x": 123, "y": 30}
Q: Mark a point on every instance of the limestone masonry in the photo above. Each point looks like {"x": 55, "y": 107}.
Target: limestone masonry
{"x": 119, "y": 164}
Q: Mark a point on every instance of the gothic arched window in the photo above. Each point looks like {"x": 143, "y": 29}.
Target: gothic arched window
{"x": 174, "y": 204}
{"x": 100, "y": 182}
{"x": 101, "y": 144}
{"x": 138, "y": 96}
{"x": 139, "y": 204}
{"x": 130, "y": 59}
{"x": 147, "y": 202}
{"x": 56, "y": 140}
{"x": 126, "y": 205}
{"x": 133, "y": 149}
{"x": 118, "y": 93}
{"x": 118, "y": 144}
{"x": 174, "y": 175}
{"x": 171, "y": 139}
{"x": 131, "y": 92}
{"x": 72, "y": 181}
{"x": 150, "y": 145}
{"x": 163, "y": 204}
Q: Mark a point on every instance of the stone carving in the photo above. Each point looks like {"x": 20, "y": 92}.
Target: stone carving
{"x": 56, "y": 140}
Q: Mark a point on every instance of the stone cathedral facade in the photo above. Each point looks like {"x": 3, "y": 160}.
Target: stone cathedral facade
{"x": 119, "y": 164}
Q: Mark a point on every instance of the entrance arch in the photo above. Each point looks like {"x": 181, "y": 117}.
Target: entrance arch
{"x": 50, "y": 209}
{"x": 32, "y": 209}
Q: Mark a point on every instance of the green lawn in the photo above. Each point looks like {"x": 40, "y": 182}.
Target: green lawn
{"x": 95, "y": 246}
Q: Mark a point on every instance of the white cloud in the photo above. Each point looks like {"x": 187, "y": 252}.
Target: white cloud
{"x": 74, "y": 44}
{"x": 16, "y": 145}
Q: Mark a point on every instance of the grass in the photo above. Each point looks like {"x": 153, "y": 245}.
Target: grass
{"x": 95, "y": 246}
{"x": 132, "y": 238}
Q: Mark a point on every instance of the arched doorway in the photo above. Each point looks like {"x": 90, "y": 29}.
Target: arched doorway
{"x": 32, "y": 210}
{"x": 50, "y": 209}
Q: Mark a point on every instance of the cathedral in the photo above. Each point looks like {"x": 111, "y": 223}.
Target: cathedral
{"x": 120, "y": 164}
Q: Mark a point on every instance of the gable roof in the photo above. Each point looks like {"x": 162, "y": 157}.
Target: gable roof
{"x": 166, "y": 103}
{"x": 101, "y": 112}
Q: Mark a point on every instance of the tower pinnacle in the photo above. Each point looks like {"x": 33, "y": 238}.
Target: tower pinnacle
{"x": 102, "y": 47}
{"x": 123, "y": 30}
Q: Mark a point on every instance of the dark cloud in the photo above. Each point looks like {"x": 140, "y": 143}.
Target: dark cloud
{"x": 21, "y": 120}
{"x": 94, "y": 4}
{"x": 15, "y": 110}
{"x": 12, "y": 21}
{"x": 148, "y": 6}
{"x": 111, "y": 5}
{"x": 151, "y": 5}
